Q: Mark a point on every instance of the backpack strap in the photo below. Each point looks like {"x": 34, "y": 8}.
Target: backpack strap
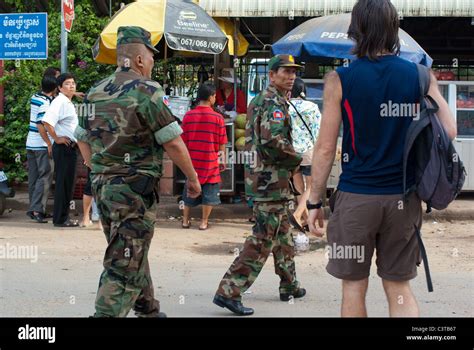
{"x": 424, "y": 257}
{"x": 302, "y": 119}
{"x": 424, "y": 80}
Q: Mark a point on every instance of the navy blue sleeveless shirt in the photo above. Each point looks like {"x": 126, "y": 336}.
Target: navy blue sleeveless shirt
{"x": 379, "y": 100}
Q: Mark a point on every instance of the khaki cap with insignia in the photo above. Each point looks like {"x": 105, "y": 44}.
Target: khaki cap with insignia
{"x": 134, "y": 35}
{"x": 278, "y": 61}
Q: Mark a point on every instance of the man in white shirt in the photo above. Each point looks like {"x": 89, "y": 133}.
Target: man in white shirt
{"x": 39, "y": 151}
{"x": 60, "y": 121}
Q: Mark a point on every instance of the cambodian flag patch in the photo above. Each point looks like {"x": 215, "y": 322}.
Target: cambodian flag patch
{"x": 166, "y": 100}
{"x": 278, "y": 115}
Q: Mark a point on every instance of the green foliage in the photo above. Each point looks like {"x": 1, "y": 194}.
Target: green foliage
{"x": 20, "y": 83}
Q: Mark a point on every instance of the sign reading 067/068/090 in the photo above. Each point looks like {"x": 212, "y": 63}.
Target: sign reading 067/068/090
{"x": 23, "y": 36}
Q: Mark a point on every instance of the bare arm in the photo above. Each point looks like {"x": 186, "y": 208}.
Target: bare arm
{"x": 59, "y": 140}
{"x": 444, "y": 113}
{"x": 326, "y": 145}
{"x": 179, "y": 154}
{"x": 44, "y": 136}
{"x": 86, "y": 152}
{"x": 50, "y": 129}
{"x": 79, "y": 95}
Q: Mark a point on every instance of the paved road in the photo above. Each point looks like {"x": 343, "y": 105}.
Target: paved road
{"x": 188, "y": 264}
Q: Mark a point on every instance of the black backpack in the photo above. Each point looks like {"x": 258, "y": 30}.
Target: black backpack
{"x": 439, "y": 172}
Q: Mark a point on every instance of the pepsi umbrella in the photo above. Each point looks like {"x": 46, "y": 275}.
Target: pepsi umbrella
{"x": 326, "y": 36}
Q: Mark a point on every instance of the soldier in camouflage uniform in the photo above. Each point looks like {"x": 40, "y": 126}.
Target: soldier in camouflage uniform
{"x": 124, "y": 141}
{"x": 267, "y": 134}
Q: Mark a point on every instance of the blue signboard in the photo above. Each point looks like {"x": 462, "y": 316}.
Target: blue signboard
{"x": 23, "y": 36}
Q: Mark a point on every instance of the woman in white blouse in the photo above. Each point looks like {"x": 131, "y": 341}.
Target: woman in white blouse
{"x": 60, "y": 121}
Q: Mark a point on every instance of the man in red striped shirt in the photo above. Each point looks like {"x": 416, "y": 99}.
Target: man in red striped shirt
{"x": 205, "y": 136}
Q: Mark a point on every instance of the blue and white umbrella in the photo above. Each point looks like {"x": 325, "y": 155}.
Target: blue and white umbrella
{"x": 326, "y": 36}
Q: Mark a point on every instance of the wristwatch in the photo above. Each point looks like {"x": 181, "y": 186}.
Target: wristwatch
{"x": 311, "y": 206}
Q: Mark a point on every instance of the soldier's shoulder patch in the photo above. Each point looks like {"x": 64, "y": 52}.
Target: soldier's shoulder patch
{"x": 166, "y": 100}
{"x": 278, "y": 115}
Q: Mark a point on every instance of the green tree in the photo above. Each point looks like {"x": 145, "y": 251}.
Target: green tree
{"x": 21, "y": 82}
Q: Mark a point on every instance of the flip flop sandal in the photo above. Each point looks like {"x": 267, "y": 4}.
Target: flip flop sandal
{"x": 86, "y": 224}
{"x": 186, "y": 226}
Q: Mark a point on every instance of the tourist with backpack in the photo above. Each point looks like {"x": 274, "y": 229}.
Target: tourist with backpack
{"x": 370, "y": 211}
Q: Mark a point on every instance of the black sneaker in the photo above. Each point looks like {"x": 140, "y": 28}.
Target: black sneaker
{"x": 30, "y": 215}
{"x": 299, "y": 293}
{"x": 233, "y": 305}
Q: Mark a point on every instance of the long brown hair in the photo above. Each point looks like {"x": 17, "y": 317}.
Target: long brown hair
{"x": 374, "y": 28}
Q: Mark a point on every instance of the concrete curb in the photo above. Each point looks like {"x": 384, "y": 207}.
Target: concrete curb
{"x": 461, "y": 209}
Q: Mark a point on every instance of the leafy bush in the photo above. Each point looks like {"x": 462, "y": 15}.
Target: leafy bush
{"x": 22, "y": 82}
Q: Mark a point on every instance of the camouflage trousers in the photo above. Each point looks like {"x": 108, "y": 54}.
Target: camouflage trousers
{"x": 128, "y": 220}
{"x": 270, "y": 234}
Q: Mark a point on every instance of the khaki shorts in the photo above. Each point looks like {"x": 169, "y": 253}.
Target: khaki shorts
{"x": 362, "y": 224}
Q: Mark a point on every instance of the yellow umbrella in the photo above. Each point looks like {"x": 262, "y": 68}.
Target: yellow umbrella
{"x": 228, "y": 28}
{"x": 149, "y": 15}
{"x": 185, "y": 25}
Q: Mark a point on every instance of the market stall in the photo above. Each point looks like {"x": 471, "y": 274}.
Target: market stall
{"x": 191, "y": 35}
{"x": 325, "y": 37}
{"x": 460, "y": 97}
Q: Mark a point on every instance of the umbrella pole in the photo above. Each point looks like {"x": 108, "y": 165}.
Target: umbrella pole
{"x": 236, "y": 62}
{"x": 165, "y": 68}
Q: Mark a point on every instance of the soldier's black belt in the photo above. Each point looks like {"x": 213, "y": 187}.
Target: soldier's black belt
{"x": 141, "y": 184}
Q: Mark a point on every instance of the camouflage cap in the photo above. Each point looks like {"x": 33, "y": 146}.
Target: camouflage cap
{"x": 134, "y": 35}
{"x": 278, "y": 61}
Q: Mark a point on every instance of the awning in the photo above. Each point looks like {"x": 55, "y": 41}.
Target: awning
{"x": 227, "y": 27}
{"x": 305, "y": 8}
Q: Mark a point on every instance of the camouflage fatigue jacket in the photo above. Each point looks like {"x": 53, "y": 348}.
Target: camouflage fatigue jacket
{"x": 267, "y": 135}
{"x": 126, "y": 123}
